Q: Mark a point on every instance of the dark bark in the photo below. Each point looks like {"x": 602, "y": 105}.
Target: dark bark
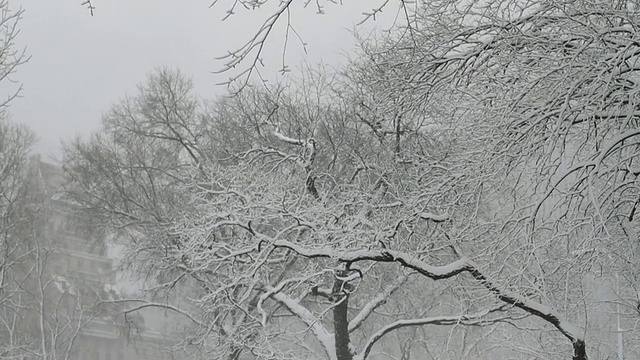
{"x": 398, "y": 133}
{"x": 340, "y": 317}
{"x": 579, "y": 350}
{"x": 445, "y": 272}
{"x": 311, "y": 187}
{"x": 235, "y": 353}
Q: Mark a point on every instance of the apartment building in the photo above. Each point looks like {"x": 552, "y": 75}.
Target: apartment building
{"x": 71, "y": 289}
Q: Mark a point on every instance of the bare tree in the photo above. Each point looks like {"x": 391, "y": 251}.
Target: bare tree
{"x": 296, "y": 209}
{"x": 492, "y": 143}
{"x": 15, "y": 143}
{"x": 43, "y": 313}
{"x": 10, "y": 57}
{"x": 546, "y": 93}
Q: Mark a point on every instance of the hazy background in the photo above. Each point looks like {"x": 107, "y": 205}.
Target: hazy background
{"x": 80, "y": 64}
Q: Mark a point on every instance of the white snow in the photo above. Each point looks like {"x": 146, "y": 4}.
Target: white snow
{"x": 435, "y": 272}
{"x": 434, "y": 217}
{"x": 112, "y": 292}
{"x": 322, "y": 335}
{"x": 63, "y": 285}
{"x": 375, "y": 302}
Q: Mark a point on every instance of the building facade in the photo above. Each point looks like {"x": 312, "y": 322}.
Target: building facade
{"x": 71, "y": 291}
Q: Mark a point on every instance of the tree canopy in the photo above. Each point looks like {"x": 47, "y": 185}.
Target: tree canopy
{"x": 475, "y": 170}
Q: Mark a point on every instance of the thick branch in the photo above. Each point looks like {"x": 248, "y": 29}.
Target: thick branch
{"x": 408, "y": 260}
{"x": 321, "y": 334}
{"x": 340, "y": 318}
{"x": 285, "y": 138}
{"x": 448, "y": 271}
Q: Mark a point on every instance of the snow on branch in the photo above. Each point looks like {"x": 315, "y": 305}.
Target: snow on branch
{"x": 434, "y": 217}
{"x": 473, "y": 319}
{"x": 408, "y": 260}
{"x": 606, "y": 150}
{"x": 282, "y": 137}
{"x": 588, "y": 167}
{"x": 322, "y": 335}
{"x": 463, "y": 264}
{"x": 278, "y": 288}
{"x": 377, "y": 301}
{"x": 147, "y": 304}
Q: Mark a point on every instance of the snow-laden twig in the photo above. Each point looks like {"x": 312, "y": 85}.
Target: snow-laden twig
{"x": 377, "y": 301}
{"x": 148, "y": 304}
{"x": 472, "y": 319}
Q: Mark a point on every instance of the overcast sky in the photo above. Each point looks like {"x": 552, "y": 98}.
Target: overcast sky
{"x": 80, "y": 64}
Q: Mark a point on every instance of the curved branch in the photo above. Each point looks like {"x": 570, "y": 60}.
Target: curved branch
{"x": 147, "y": 304}
{"x": 377, "y": 301}
{"x": 450, "y": 270}
{"x": 322, "y": 335}
{"x": 256, "y": 43}
{"x": 474, "y": 319}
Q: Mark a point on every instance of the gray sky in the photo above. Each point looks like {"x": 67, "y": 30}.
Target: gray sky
{"x": 80, "y": 64}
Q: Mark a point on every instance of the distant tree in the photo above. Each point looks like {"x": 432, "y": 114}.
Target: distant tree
{"x": 15, "y": 144}
{"x": 42, "y": 312}
{"x": 10, "y": 57}
{"x": 41, "y": 315}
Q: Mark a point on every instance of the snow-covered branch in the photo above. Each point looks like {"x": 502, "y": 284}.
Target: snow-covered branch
{"x": 282, "y": 137}
{"x": 322, "y": 335}
{"x": 148, "y": 304}
{"x": 450, "y": 270}
{"x": 406, "y": 259}
{"x": 377, "y": 301}
{"x": 434, "y": 217}
{"x": 270, "y": 292}
{"x": 473, "y": 319}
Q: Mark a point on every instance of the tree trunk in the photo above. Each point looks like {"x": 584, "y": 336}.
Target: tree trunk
{"x": 579, "y": 350}
{"x": 340, "y": 317}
